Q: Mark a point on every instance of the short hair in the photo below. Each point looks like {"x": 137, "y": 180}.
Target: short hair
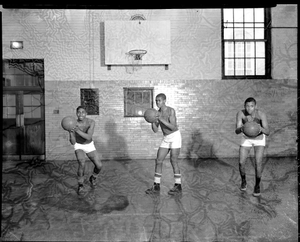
{"x": 79, "y": 107}
{"x": 249, "y": 100}
{"x": 162, "y": 95}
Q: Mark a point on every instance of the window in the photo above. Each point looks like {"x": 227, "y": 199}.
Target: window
{"x": 137, "y": 100}
{"x": 90, "y": 100}
{"x": 246, "y": 43}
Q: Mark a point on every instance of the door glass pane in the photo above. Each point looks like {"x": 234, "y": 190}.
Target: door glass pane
{"x": 36, "y": 100}
{"x": 11, "y": 100}
{"x": 11, "y": 112}
{"x": 36, "y": 112}
{"x": 27, "y": 99}
{"x": 27, "y": 112}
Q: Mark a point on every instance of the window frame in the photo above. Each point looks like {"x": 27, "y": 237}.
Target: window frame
{"x": 126, "y": 89}
{"x": 267, "y": 41}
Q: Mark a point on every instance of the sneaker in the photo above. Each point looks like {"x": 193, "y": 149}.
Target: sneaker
{"x": 175, "y": 190}
{"x": 80, "y": 189}
{"x": 154, "y": 189}
{"x": 93, "y": 180}
{"x": 244, "y": 186}
{"x": 256, "y": 192}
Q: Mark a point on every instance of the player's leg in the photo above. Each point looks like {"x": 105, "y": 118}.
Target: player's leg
{"x": 244, "y": 152}
{"x": 177, "y": 176}
{"x": 80, "y": 155}
{"x": 161, "y": 155}
{"x": 95, "y": 158}
{"x": 259, "y": 153}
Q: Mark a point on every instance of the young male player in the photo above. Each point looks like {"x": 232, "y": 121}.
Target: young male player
{"x": 166, "y": 119}
{"x": 251, "y": 113}
{"x": 81, "y": 138}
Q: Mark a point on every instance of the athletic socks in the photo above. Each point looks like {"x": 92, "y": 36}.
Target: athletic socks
{"x": 157, "y": 178}
{"x": 177, "y": 178}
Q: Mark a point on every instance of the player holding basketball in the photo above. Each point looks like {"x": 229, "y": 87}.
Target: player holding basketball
{"x": 166, "y": 119}
{"x": 81, "y": 137}
{"x": 252, "y": 114}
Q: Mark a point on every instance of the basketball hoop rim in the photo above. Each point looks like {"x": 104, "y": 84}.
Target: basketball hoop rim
{"x": 137, "y": 52}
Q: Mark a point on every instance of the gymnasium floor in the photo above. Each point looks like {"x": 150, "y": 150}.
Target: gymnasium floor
{"x": 39, "y": 202}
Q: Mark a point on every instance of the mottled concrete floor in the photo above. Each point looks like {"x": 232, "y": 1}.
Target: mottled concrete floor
{"x": 40, "y": 203}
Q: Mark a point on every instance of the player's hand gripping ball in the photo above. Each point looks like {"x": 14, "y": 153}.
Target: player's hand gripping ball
{"x": 251, "y": 129}
{"x": 150, "y": 115}
{"x": 68, "y": 123}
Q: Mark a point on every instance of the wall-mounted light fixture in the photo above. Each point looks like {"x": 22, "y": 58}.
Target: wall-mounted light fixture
{"x": 16, "y": 44}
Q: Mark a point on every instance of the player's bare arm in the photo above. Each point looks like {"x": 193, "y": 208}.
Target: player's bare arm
{"x": 265, "y": 127}
{"x": 239, "y": 122}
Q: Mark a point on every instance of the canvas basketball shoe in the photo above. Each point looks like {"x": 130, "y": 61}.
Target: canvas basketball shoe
{"x": 155, "y": 189}
{"x": 93, "y": 180}
{"x": 243, "y": 185}
{"x": 80, "y": 189}
{"x": 256, "y": 192}
{"x": 175, "y": 190}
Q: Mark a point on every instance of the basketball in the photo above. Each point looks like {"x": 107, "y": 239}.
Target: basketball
{"x": 150, "y": 115}
{"x": 251, "y": 129}
{"x": 68, "y": 123}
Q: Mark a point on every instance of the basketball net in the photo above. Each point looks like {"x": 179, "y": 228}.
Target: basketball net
{"x": 135, "y": 60}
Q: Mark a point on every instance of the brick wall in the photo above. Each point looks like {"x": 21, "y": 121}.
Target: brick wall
{"x": 206, "y": 112}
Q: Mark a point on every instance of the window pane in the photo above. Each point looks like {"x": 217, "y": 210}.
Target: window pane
{"x": 146, "y": 98}
{"x": 248, "y": 13}
{"x": 228, "y": 15}
{"x": 260, "y": 66}
{"x": 229, "y": 49}
{"x": 259, "y": 15}
{"x": 259, "y": 33}
{"x": 239, "y": 67}
{"x": 250, "y": 49}
{"x": 238, "y": 33}
{"x": 260, "y": 49}
{"x": 239, "y": 49}
{"x": 249, "y": 33}
{"x": 229, "y": 67}
{"x": 249, "y": 66}
{"x": 228, "y": 33}
{"x": 238, "y": 15}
